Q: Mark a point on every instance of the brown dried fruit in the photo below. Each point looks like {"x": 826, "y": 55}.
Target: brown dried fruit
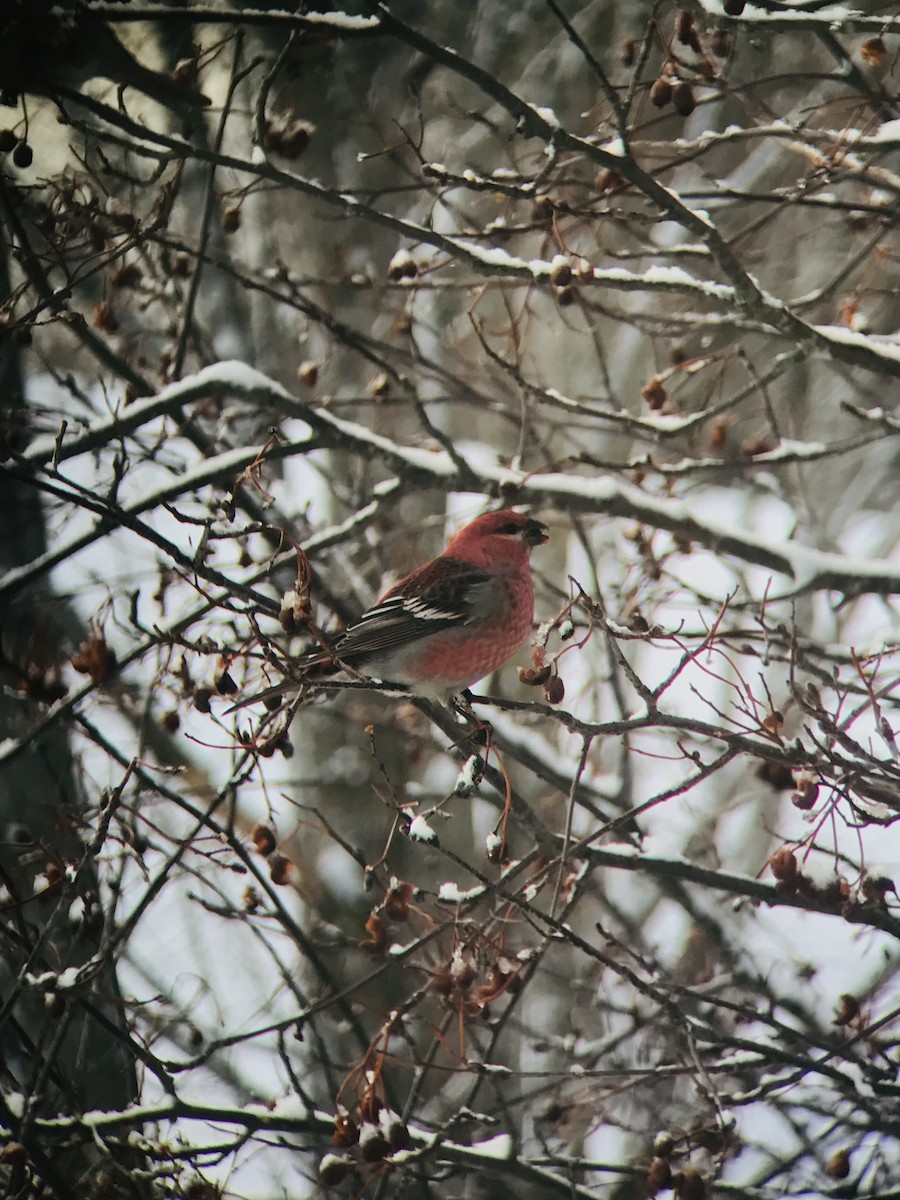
{"x": 654, "y": 393}
{"x": 847, "y": 1011}
{"x": 202, "y": 697}
{"x": 402, "y": 266}
{"x": 534, "y": 676}
{"x": 23, "y": 155}
{"x": 345, "y": 1131}
{"x": 231, "y": 219}
{"x": 757, "y": 445}
{"x": 377, "y": 939}
{"x": 127, "y": 275}
{"x": 7, "y": 141}
{"x": 295, "y": 610}
{"x": 873, "y": 51}
{"x": 683, "y": 100}
{"x": 718, "y": 433}
{"x": 170, "y": 721}
{"x": 397, "y": 900}
{"x": 543, "y": 208}
{"x": 733, "y": 8}
{"x": 806, "y": 794}
{"x": 280, "y": 869}
{"x": 372, "y": 1143}
{"x": 308, "y": 373}
{"x": 774, "y": 721}
{"x": 685, "y": 31}
{"x": 689, "y": 1184}
{"x": 783, "y": 865}
{"x": 95, "y": 659}
{"x": 838, "y": 1166}
{"x": 263, "y": 839}
{"x": 561, "y": 270}
{"x": 608, "y": 181}
{"x": 286, "y": 134}
{"x": 776, "y": 774}
{"x": 554, "y": 690}
{"x": 661, "y": 93}
{"x": 659, "y": 1175}
{"x": 334, "y": 1168}
{"x": 628, "y": 53}
{"x": 105, "y": 318}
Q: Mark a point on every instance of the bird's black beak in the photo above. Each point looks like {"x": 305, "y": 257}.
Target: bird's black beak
{"x": 535, "y": 533}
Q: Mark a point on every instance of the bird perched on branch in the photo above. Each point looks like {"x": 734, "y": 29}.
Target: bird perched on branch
{"x": 448, "y": 623}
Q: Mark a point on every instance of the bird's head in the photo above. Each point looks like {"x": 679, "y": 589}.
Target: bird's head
{"x": 498, "y": 536}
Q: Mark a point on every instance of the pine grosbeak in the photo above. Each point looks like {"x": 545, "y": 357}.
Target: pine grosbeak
{"x": 451, "y": 621}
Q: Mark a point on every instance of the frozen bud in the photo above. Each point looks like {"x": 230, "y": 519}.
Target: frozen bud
{"x": 566, "y": 630}
{"x": 493, "y": 844}
{"x": 661, "y": 93}
{"x": 372, "y": 1143}
{"x": 308, "y": 373}
{"x": 664, "y": 1144}
{"x": 394, "y": 1129}
{"x": 294, "y": 612}
{"x": 554, "y": 690}
{"x": 420, "y": 831}
{"x": 402, "y": 266}
{"x": 561, "y": 270}
{"x": 54, "y": 1003}
{"x": 334, "y": 1168}
{"x": 543, "y": 208}
{"x": 379, "y": 385}
{"x": 469, "y": 778}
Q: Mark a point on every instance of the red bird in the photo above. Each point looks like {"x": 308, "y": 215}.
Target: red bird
{"x": 451, "y": 621}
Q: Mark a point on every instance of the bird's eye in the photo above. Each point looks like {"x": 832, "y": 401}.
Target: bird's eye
{"x": 510, "y": 527}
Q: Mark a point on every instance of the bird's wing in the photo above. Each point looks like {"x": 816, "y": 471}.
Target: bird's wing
{"x": 443, "y": 594}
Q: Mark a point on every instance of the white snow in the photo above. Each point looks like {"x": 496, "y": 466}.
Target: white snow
{"x": 421, "y": 831}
